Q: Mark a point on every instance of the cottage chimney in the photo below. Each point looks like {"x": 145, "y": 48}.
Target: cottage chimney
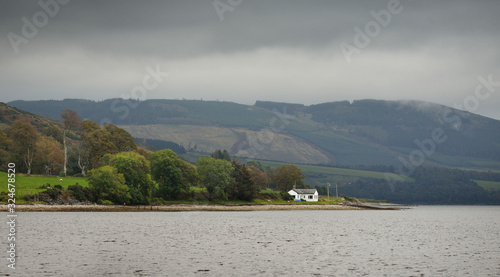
{"x": 294, "y": 186}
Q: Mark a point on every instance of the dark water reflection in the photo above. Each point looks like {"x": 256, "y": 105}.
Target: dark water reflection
{"x": 426, "y": 241}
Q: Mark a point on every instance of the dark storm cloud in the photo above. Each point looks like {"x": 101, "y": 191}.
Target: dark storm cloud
{"x": 271, "y": 50}
{"x": 253, "y": 24}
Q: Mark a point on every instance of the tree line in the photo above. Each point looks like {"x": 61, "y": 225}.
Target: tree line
{"x": 69, "y": 149}
{"x": 432, "y": 185}
{"x": 119, "y": 171}
{"x": 130, "y": 177}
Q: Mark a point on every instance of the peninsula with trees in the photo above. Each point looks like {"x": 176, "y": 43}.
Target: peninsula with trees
{"x": 73, "y": 161}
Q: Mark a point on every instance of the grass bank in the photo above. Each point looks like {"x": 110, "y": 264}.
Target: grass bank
{"x": 488, "y": 185}
{"x": 32, "y": 185}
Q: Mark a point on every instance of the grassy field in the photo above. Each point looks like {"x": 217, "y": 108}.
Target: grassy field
{"x": 488, "y": 185}
{"x": 348, "y": 172}
{"x": 32, "y": 184}
{"x": 316, "y": 170}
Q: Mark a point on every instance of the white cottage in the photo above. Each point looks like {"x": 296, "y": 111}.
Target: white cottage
{"x": 304, "y": 194}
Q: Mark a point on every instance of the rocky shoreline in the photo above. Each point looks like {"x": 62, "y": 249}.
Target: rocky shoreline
{"x": 173, "y": 208}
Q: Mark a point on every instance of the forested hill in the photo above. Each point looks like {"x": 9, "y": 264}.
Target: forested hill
{"x": 9, "y": 114}
{"x": 398, "y": 124}
{"x": 364, "y": 132}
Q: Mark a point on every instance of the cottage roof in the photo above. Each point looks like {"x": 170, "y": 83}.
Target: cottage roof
{"x": 305, "y": 191}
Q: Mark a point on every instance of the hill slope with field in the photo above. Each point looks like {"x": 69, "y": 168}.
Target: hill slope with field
{"x": 364, "y": 132}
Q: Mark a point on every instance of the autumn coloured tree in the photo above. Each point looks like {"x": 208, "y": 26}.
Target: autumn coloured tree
{"x": 121, "y": 139}
{"x": 258, "y": 177}
{"x": 49, "y": 155}
{"x": 24, "y": 137}
{"x": 97, "y": 141}
{"x": 53, "y": 131}
{"x": 286, "y": 176}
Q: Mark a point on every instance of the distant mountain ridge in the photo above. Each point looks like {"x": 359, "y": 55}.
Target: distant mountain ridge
{"x": 364, "y": 132}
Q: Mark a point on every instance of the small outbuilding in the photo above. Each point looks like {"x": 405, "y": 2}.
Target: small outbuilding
{"x": 304, "y": 194}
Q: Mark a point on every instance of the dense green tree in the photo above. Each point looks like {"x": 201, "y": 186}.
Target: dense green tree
{"x": 221, "y": 155}
{"x": 5, "y": 155}
{"x": 166, "y": 171}
{"x": 189, "y": 175}
{"x": 24, "y": 137}
{"x": 286, "y": 176}
{"x": 108, "y": 184}
{"x": 81, "y": 193}
{"x": 215, "y": 175}
{"x": 136, "y": 170}
{"x": 171, "y": 185}
{"x": 243, "y": 187}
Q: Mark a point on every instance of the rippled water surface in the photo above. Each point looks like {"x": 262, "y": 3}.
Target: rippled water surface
{"x": 425, "y": 241}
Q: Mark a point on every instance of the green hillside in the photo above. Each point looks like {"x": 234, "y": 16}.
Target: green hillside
{"x": 399, "y": 124}
{"x": 364, "y": 132}
{"x": 488, "y": 185}
{"x": 206, "y": 139}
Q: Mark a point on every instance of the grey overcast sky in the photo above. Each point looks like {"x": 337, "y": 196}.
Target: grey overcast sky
{"x": 246, "y": 50}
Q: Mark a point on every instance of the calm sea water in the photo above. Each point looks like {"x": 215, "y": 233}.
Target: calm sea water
{"x": 425, "y": 241}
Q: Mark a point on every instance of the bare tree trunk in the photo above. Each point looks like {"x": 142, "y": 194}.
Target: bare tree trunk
{"x": 81, "y": 165}
{"x": 65, "y": 153}
{"x": 82, "y": 159}
{"x": 28, "y": 160}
